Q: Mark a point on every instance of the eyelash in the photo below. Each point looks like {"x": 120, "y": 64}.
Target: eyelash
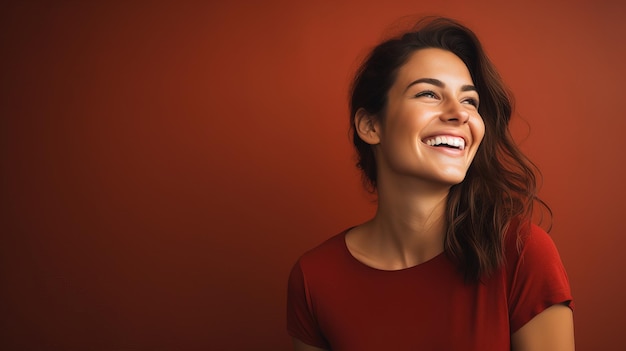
{"x": 426, "y": 92}
{"x": 432, "y": 94}
{"x": 472, "y": 102}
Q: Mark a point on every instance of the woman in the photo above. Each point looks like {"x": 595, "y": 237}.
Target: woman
{"x": 450, "y": 260}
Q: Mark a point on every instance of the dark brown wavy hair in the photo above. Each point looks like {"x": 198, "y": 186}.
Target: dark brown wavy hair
{"x": 501, "y": 183}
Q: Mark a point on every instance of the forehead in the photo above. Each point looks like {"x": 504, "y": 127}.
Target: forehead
{"x": 434, "y": 63}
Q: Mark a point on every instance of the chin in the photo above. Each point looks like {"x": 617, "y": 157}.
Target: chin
{"x": 453, "y": 179}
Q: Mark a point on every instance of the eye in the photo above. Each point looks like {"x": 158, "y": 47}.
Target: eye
{"x": 471, "y": 101}
{"x": 426, "y": 93}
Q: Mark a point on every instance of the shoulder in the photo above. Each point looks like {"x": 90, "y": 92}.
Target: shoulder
{"x": 536, "y": 277}
{"x": 327, "y": 257}
{"x": 315, "y": 274}
{"x": 528, "y": 245}
{"x": 326, "y": 253}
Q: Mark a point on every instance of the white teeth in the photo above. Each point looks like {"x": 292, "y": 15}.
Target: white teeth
{"x": 447, "y": 140}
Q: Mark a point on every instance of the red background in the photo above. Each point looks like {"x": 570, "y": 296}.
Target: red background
{"x": 163, "y": 165}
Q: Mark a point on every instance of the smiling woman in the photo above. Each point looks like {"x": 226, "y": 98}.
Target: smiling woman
{"x": 432, "y": 108}
{"x": 451, "y": 260}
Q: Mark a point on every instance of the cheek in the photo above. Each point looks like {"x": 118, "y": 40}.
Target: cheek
{"x": 401, "y": 128}
{"x": 478, "y": 129}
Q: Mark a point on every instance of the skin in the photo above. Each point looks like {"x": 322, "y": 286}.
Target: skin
{"x": 433, "y": 95}
{"x": 550, "y": 330}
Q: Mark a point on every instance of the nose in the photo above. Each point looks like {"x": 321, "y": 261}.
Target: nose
{"x": 454, "y": 111}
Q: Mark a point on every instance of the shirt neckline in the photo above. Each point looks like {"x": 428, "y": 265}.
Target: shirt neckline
{"x": 358, "y": 262}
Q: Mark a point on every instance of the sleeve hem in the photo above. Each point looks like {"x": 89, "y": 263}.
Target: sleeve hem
{"x": 566, "y": 300}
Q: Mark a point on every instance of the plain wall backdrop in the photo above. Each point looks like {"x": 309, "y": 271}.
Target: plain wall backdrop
{"x": 163, "y": 164}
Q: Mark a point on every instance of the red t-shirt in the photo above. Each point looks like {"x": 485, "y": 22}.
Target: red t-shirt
{"x": 336, "y": 302}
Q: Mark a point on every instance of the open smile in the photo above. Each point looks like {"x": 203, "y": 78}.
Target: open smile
{"x": 446, "y": 141}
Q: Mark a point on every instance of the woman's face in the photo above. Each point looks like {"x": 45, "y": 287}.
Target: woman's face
{"x": 431, "y": 129}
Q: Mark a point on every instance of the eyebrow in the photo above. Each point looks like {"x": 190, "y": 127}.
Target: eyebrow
{"x": 438, "y": 83}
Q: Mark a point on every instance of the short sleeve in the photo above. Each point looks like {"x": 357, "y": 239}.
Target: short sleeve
{"x": 538, "y": 279}
{"x": 301, "y": 323}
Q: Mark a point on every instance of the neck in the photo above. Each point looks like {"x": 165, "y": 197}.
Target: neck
{"x": 412, "y": 220}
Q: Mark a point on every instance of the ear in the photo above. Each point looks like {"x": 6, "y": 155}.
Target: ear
{"x": 367, "y": 127}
